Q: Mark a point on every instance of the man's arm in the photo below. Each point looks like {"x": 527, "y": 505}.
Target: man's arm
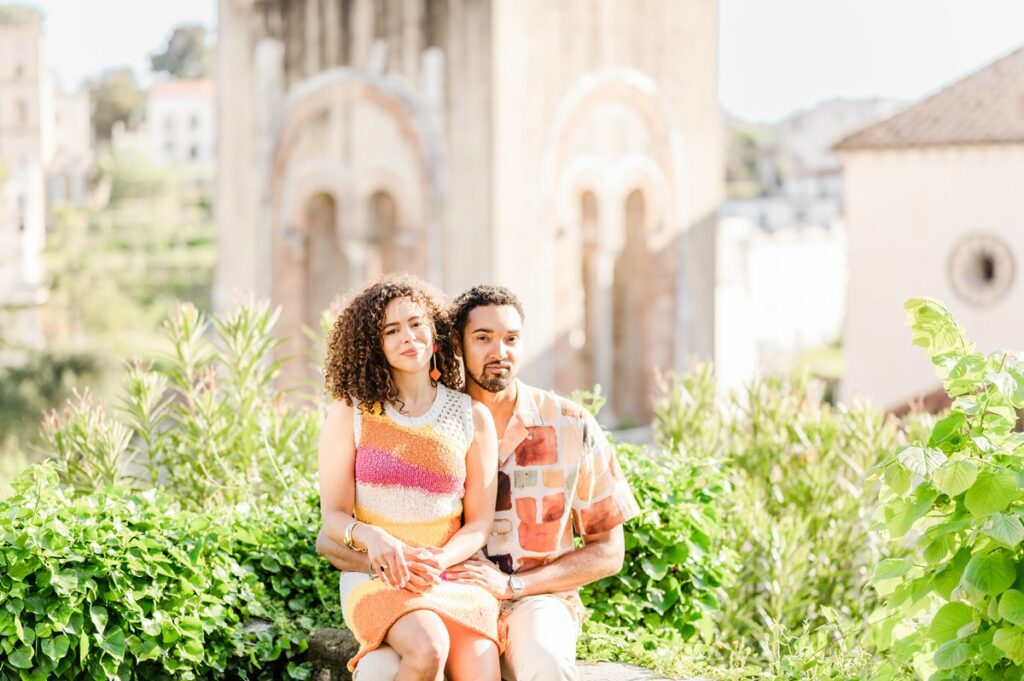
{"x": 601, "y": 556}
{"x": 340, "y": 556}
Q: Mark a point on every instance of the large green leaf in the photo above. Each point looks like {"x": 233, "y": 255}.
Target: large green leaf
{"x": 1011, "y": 606}
{"x": 1004, "y": 528}
{"x": 920, "y": 460}
{"x": 901, "y": 514}
{"x": 891, "y": 568}
{"x": 948, "y": 620}
{"x": 991, "y": 573}
{"x": 1011, "y": 641}
{"x": 992, "y": 492}
{"x": 934, "y": 329}
{"x": 951, "y": 654}
{"x": 955, "y": 476}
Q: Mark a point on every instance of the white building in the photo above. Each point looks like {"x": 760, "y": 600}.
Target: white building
{"x": 68, "y": 173}
{"x": 778, "y": 294}
{"x": 181, "y": 124}
{"x": 934, "y": 202}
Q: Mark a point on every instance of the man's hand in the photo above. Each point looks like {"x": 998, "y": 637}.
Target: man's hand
{"x": 482, "y": 573}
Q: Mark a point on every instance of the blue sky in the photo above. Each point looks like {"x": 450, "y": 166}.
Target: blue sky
{"x": 776, "y": 56}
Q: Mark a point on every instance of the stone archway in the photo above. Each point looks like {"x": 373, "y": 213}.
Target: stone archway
{"x": 613, "y": 168}
{"x": 353, "y": 189}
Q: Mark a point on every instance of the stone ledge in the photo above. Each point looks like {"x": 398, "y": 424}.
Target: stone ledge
{"x": 330, "y": 649}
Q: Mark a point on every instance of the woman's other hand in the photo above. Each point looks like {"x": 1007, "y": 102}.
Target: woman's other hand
{"x": 386, "y": 554}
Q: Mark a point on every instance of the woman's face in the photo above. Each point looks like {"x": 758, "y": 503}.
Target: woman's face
{"x": 406, "y": 337}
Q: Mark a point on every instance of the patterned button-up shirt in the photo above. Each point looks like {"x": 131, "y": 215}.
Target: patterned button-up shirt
{"x": 556, "y": 473}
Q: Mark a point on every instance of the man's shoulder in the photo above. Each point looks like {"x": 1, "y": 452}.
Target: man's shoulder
{"x": 550, "y": 405}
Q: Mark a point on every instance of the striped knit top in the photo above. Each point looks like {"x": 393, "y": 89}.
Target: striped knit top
{"x": 411, "y": 471}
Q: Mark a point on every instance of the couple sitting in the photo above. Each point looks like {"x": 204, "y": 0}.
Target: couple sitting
{"x": 418, "y": 474}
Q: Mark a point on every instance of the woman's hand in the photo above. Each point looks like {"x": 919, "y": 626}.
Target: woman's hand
{"x": 424, "y": 569}
{"x": 386, "y": 554}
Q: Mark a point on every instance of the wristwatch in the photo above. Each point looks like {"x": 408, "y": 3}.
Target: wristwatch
{"x": 515, "y": 583}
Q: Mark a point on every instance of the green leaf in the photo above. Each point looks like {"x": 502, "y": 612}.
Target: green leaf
{"x": 897, "y": 477}
{"x": 1011, "y": 606}
{"x": 1011, "y": 641}
{"x": 992, "y": 492}
{"x": 991, "y": 573}
{"x": 919, "y": 460}
{"x": 901, "y": 514}
{"x": 946, "y": 428}
{"x": 955, "y": 476}
{"x": 934, "y": 329}
{"x": 21, "y": 657}
{"x": 951, "y": 654}
{"x": 891, "y": 568}
{"x": 948, "y": 620}
{"x": 1005, "y": 529}
{"x": 113, "y": 642}
{"x": 98, "y": 615}
{"x": 655, "y": 568}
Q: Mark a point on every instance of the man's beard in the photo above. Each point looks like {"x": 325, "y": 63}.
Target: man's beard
{"x": 491, "y": 385}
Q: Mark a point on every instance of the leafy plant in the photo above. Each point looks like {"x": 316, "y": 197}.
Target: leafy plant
{"x": 954, "y": 608}
{"x": 118, "y": 584}
{"x": 206, "y": 424}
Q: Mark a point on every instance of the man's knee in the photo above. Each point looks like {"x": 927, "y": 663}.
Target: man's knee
{"x": 378, "y": 665}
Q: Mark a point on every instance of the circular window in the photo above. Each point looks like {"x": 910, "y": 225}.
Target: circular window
{"x": 981, "y": 269}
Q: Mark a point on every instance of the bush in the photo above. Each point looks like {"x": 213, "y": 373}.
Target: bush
{"x": 954, "y": 607}
{"x": 115, "y": 584}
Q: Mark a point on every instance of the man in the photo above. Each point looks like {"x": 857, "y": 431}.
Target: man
{"x": 556, "y": 473}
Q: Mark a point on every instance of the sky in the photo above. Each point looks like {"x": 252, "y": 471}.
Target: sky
{"x": 775, "y": 56}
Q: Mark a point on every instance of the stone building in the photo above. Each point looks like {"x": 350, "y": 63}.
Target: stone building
{"x": 26, "y": 148}
{"x": 569, "y": 149}
{"x": 934, "y": 206}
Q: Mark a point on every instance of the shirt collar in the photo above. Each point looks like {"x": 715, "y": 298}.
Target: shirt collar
{"x": 524, "y": 415}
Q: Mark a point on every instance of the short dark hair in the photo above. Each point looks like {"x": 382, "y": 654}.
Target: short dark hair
{"x": 480, "y": 295}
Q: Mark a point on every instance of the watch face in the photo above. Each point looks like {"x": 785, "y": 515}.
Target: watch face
{"x": 981, "y": 269}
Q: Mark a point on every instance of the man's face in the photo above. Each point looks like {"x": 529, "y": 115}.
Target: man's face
{"x": 491, "y": 342}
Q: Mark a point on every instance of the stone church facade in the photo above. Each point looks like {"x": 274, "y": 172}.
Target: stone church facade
{"x": 569, "y": 149}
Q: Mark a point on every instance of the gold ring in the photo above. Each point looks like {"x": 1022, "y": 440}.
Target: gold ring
{"x": 384, "y": 567}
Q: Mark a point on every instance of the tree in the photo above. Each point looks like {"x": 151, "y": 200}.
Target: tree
{"x": 116, "y": 97}
{"x": 186, "y": 54}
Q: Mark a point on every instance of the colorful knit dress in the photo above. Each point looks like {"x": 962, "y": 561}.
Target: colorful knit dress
{"x": 410, "y": 479}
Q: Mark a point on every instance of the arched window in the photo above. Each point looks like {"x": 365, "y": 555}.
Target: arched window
{"x": 326, "y": 272}
{"x": 629, "y": 396}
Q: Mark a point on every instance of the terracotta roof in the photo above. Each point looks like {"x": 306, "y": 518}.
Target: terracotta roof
{"x": 202, "y": 88}
{"x": 985, "y": 107}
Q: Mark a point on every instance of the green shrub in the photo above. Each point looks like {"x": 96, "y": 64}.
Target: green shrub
{"x": 954, "y": 605}
{"x": 205, "y": 424}
{"x": 115, "y": 584}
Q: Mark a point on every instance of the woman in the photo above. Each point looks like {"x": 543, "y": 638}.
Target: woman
{"x": 408, "y": 474}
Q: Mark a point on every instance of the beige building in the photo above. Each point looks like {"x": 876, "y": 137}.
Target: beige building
{"x": 26, "y": 148}
{"x": 568, "y": 149}
{"x": 934, "y": 202}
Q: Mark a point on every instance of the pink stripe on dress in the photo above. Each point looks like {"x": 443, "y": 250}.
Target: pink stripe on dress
{"x": 380, "y": 467}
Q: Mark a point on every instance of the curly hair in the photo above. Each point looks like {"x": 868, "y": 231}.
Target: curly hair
{"x": 480, "y": 295}
{"x": 355, "y": 367}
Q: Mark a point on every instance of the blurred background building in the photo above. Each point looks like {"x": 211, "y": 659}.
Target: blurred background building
{"x": 934, "y": 201}
{"x": 570, "y": 150}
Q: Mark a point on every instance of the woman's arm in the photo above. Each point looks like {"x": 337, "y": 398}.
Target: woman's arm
{"x": 337, "y": 462}
{"x": 481, "y": 491}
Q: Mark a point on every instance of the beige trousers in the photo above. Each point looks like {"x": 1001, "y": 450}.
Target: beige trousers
{"x": 541, "y": 645}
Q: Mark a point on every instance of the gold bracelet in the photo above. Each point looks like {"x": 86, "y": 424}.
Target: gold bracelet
{"x": 348, "y": 536}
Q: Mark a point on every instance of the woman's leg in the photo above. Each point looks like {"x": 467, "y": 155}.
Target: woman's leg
{"x": 421, "y": 640}
{"x": 472, "y": 657}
